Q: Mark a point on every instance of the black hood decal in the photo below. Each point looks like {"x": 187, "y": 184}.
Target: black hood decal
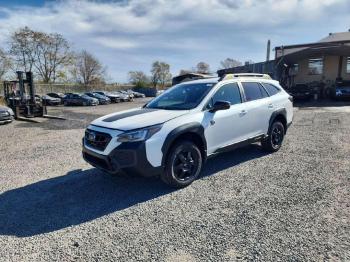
{"x": 128, "y": 114}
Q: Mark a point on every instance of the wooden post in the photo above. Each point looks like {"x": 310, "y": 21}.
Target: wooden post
{"x": 340, "y": 66}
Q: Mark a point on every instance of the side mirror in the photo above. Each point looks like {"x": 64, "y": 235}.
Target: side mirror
{"x": 220, "y": 105}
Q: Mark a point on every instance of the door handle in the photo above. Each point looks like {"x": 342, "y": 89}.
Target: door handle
{"x": 270, "y": 106}
{"x": 243, "y": 112}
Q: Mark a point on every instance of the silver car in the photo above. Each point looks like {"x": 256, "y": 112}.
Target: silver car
{"x": 6, "y": 115}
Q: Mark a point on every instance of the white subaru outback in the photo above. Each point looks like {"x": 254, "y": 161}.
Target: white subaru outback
{"x": 174, "y": 134}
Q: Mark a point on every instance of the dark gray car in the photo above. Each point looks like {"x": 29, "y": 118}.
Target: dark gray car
{"x": 6, "y": 114}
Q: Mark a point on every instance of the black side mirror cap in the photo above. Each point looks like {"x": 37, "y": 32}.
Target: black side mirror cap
{"x": 220, "y": 105}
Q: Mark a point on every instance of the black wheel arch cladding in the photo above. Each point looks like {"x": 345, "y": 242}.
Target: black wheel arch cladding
{"x": 186, "y": 129}
{"x": 279, "y": 114}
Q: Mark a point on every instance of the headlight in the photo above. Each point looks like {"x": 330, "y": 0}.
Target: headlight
{"x": 139, "y": 135}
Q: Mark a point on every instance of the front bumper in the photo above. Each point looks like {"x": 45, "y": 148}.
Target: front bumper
{"x": 129, "y": 157}
{"x": 53, "y": 103}
{"x": 6, "y": 119}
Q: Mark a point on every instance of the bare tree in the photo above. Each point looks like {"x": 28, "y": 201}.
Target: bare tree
{"x": 138, "y": 78}
{"x": 88, "y": 69}
{"x": 155, "y": 73}
{"x": 46, "y": 53}
{"x": 5, "y": 63}
{"x": 165, "y": 75}
{"x": 22, "y": 48}
{"x": 52, "y": 53}
{"x": 160, "y": 73}
{"x": 230, "y": 63}
{"x": 203, "y": 68}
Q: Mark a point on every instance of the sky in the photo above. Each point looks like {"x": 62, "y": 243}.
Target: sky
{"x": 128, "y": 35}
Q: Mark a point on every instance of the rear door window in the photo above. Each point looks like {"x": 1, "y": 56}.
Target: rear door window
{"x": 253, "y": 91}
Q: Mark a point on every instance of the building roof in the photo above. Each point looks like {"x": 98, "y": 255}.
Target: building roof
{"x": 189, "y": 77}
{"x": 343, "y": 37}
{"x": 335, "y": 37}
{"x": 333, "y": 44}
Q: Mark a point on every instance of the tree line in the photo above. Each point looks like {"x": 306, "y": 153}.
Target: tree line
{"x": 160, "y": 73}
{"x": 51, "y": 58}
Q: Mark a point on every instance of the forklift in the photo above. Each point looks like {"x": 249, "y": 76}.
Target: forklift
{"x": 20, "y": 97}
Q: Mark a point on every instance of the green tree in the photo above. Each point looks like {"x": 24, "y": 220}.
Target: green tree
{"x": 138, "y": 78}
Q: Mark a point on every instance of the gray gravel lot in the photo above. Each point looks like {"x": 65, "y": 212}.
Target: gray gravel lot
{"x": 248, "y": 206}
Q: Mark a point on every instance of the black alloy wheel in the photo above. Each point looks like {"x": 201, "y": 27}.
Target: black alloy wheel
{"x": 277, "y": 136}
{"x": 183, "y": 165}
{"x": 274, "y": 140}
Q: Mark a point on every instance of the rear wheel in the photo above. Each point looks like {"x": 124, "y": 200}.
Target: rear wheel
{"x": 183, "y": 165}
{"x": 273, "y": 141}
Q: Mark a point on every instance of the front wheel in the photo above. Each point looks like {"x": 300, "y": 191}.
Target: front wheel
{"x": 183, "y": 165}
{"x": 273, "y": 141}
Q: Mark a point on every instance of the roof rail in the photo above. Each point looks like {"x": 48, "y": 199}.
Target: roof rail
{"x": 248, "y": 75}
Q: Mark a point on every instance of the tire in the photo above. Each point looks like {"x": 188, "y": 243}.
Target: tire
{"x": 274, "y": 140}
{"x": 183, "y": 164}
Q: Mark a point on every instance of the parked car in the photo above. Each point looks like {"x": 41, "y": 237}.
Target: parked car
{"x": 115, "y": 98}
{"x": 342, "y": 90}
{"x": 130, "y": 94}
{"x": 79, "y": 100}
{"x": 103, "y": 100}
{"x": 137, "y": 94}
{"x": 51, "y": 101}
{"x": 176, "y": 132}
{"x": 301, "y": 92}
{"x": 159, "y": 92}
{"x": 123, "y": 97}
{"x": 56, "y": 95}
{"x": 6, "y": 115}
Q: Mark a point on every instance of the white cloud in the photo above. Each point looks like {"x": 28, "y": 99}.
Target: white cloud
{"x": 115, "y": 43}
{"x": 182, "y": 32}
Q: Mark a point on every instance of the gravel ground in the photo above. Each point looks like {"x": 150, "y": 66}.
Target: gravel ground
{"x": 248, "y": 206}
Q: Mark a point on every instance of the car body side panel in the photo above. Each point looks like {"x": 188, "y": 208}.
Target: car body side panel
{"x": 281, "y": 101}
{"x": 155, "y": 144}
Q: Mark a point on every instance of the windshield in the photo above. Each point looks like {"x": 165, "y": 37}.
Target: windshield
{"x": 181, "y": 97}
{"x": 98, "y": 95}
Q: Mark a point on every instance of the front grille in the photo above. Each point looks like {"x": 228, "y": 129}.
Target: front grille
{"x": 4, "y": 113}
{"x": 97, "y": 140}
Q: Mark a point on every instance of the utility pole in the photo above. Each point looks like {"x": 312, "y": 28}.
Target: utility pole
{"x": 268, "y": 50}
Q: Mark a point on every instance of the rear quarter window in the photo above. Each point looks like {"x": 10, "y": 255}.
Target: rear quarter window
{"x": 271, "y": 89}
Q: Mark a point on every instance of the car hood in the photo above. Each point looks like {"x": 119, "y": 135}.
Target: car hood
{"x": 137, "y": 118}
{"x": 112, "y": 95}
{"x": 51, "y": 98}
{"x": 4, "y": 108}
